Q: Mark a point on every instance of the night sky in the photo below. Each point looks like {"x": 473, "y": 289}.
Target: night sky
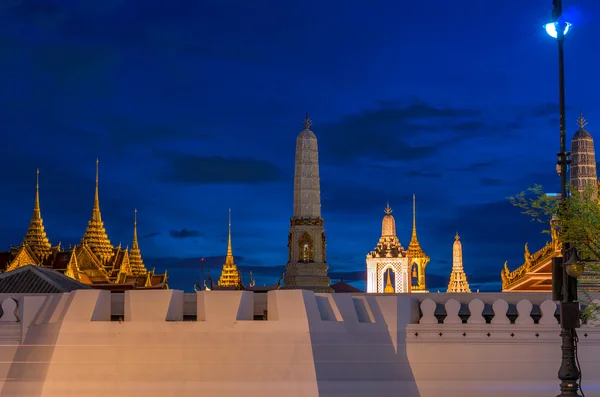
{"x": 193, "y": 107}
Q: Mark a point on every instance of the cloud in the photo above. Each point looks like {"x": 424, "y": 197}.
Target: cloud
{"x": 491, "y": 182}
{"x": 390, "y": 131}
{"x": 481, "y": 165}
{"x": 150, "y": 235}
{"x": 185, "y": 233}
{"x": 191, "y": 169}
{"x": 425, "y": 174}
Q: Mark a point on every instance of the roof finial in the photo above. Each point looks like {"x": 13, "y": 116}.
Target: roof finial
{"x": 135, "y": 239}
{"x": 388, "y": 209}
{"x": 307, "y": 122}
{"x": 36, "y": 207}
{"x": 457, "y": 237}
{"x": 414, "y": 228}
{"x": 229, "y": 250}
{"x": 581, "y": 121}
{"x": 96, "y": 210}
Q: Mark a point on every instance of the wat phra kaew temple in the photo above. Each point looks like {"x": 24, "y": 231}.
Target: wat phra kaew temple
{"x": 535, "y": 274}
{"x": 62, "y": 336}
{"x": 95, "y": 261}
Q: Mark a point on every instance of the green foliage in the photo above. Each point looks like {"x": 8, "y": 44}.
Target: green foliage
{"x": 575, "y": 220}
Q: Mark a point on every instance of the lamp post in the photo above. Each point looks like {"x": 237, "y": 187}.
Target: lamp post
{"x": 568, "y": 372}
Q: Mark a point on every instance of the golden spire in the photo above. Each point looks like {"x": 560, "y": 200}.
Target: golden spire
{"x": 229, "y": 251}
{"x": 457, "y": 237}
{"x": 95, "y": 235}
{"x": 389, "y": 289}
{"x": 230, "y": 276}
{"x": 36, "y": 237}
{"x": 581, "y": 121}
{"x": 96, "y": 211}
{"x": 135, "y": 255}
{"x": 414, "y": 248}
{"x": 307, "y": 122}
{"x": 414, "y": 227}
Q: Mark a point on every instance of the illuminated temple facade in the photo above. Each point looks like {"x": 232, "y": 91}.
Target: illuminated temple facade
{"x": 535, "y": 274}
{"x": 408, "y": 266}
{"x": 95, "y": 261}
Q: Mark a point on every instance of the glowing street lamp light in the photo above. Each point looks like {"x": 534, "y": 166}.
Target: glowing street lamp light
{"x": 552, "y": 28}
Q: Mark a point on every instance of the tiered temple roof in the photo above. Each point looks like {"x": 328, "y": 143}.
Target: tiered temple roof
{"x": 36, "y": 237}
{"x": 95, "y": 235}
{"x": 135, "y": 255}
{"x": 94, "y": 262}
{"x": 416, "y": 254}
{"x": 389, "y": 245}
{"x": 230, "y": 276}
{"x": 458, "y": 278}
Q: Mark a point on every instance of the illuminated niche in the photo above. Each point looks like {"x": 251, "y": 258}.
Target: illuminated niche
{"x": 306, "y": 248}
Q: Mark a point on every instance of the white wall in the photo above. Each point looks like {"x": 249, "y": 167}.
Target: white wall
{"x": 312, "y": 345}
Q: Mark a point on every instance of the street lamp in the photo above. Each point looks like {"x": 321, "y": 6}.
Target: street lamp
{"x": 568, "y": 372}
{"x": 552, "y": 29}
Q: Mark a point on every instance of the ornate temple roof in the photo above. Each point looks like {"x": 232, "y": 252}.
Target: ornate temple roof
{"x": 135, "y": 255}
{"x": 95, "y": 235}
{"x": 36, "y": 237}
{"x": 389, "y": 245}
{"x": 458, "y": 278}
{"x": 230, "y": 276}
{"x": 414, "y": 248}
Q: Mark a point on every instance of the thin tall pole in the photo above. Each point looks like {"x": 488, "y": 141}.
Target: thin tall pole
{"x": 568, "y": 372}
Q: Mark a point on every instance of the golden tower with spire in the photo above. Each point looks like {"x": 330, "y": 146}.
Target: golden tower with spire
{"x": 417, "y": 258}
{"x": 230, "y": 277}
{"x": 389, "y": 288}
{"x": 36, "y": 238}
{"x": 95, "y": 235}
{"x": 458, "y": 278}
{"x": 135, "y": 255}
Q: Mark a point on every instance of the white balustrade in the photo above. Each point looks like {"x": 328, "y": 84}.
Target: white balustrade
{"x": 476, "y": 307}
{"x": 428, "y": 307}
{"x": 452, "y": 309}
{"x": 500, "y": 308}
{"x": 524, "y": 308}
{"x": 548, "y": 308}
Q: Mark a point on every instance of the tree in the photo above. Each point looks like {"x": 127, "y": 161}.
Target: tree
{"x": 575, "y": 220}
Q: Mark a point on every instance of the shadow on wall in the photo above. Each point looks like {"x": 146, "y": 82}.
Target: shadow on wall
{"x": 25, "y": 376}
{"x": 359, "y": 345}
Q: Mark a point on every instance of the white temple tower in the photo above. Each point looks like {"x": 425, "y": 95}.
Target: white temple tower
{"x": 583, "y": 159}
{"x": 458, "y": 278}
{"x": 307, "y": 267}
{"x": 388, "y": 254}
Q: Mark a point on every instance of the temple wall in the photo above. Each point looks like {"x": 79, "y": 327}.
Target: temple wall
{"x": 164, "y": 342}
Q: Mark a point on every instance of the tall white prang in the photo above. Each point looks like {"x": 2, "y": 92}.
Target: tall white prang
{"x": 307, "y": 267}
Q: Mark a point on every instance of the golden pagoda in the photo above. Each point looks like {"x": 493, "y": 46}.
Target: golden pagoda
{"x": 230, "y": 277}
{"x": 95, "y": 235}
{"x": 94, "y": 262}
{"x": 135, "y": 255}
{"x": 389, "y": 288}
{"x": 417, "y": 258}
{"x": 36, "y": 237}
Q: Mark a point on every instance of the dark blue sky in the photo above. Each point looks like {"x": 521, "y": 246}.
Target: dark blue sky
{"x": 194, "y": 106}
